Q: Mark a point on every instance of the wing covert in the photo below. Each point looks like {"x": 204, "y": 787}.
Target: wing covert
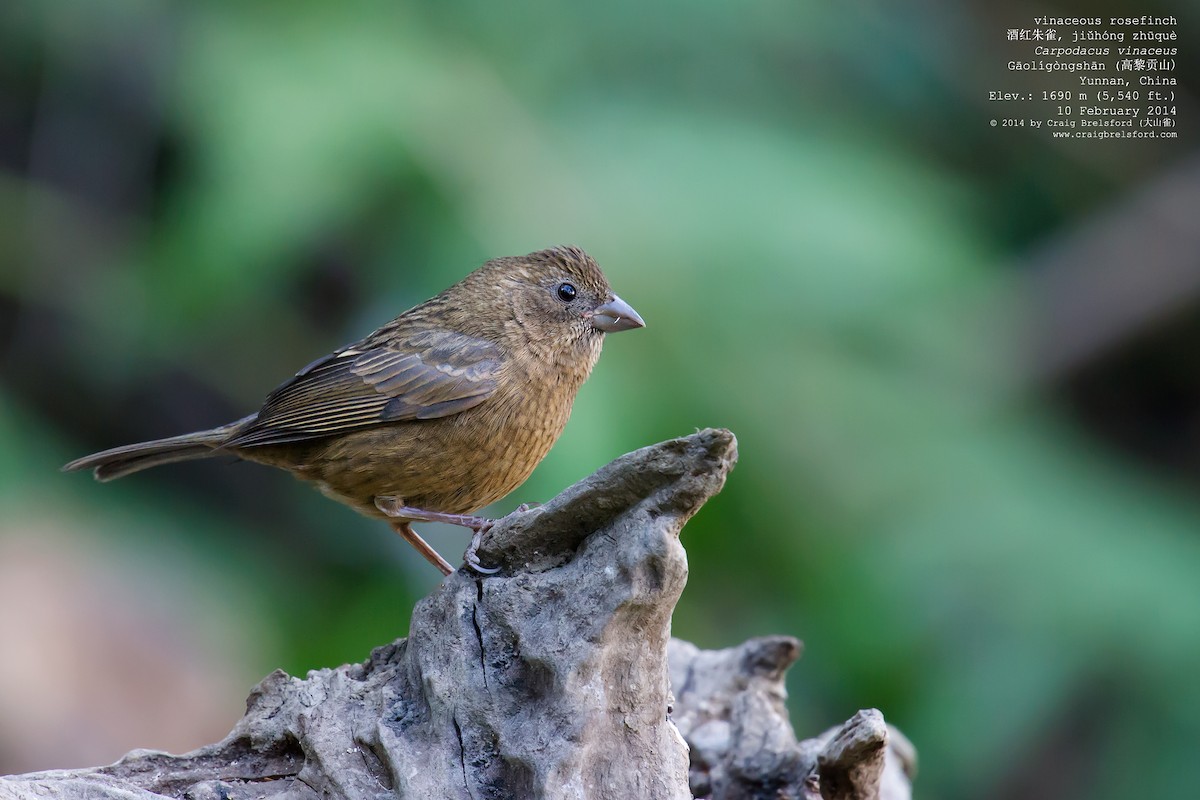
{"x": 429, "y": 374}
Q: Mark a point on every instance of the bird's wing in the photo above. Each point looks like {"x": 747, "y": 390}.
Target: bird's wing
{"x": 429, "y": 374}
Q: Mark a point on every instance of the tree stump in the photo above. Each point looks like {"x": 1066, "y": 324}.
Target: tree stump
{"x": 549, "y": 679}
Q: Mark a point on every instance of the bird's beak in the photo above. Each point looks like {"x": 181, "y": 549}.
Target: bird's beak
{"x": 616, "y": 315}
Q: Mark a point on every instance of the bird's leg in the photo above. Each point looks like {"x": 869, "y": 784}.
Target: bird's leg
{"x": 402, "y": 527}
{"x": 478, "y": 525}
{"x": 421, "y": 515}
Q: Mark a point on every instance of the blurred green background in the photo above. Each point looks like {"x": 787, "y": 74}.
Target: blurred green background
{"x": 960, "y": 360}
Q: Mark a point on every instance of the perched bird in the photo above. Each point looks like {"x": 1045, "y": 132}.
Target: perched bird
{"x": 441, "y": 411}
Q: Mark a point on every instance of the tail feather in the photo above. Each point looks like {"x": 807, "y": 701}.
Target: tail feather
{"x": 121, "y": 461}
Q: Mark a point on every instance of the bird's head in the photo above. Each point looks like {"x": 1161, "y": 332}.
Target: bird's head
{"x": 565, "y": 283}
{"x": 558, "y": 293}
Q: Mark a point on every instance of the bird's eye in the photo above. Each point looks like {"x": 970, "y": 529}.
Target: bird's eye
{"x": 566, "y": 292}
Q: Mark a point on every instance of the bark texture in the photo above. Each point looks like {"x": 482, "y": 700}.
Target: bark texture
{"x": 547, "y": 680}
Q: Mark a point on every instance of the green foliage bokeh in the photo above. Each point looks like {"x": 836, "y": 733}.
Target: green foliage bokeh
{"x": 806, "y": 207}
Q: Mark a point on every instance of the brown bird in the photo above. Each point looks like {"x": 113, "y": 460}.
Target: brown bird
{"x": 441, "y": 411}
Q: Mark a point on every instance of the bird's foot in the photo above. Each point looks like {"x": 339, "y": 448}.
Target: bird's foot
{"x": 472, "y": 555}
{"x": 478, "y": 525}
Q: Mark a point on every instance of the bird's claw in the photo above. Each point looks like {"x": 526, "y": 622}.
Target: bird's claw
{"x": 472, "y": 555}
{"x": 473, "y": 562}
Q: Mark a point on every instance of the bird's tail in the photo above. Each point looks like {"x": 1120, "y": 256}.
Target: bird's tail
{"x": 121, "y": 461}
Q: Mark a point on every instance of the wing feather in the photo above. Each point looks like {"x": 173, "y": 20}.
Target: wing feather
{"x": 430, "y": 374}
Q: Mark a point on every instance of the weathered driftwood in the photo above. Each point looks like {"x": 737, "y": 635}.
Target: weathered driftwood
{"x": 730, "y": 708}
{"x": 547, "y": 680}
